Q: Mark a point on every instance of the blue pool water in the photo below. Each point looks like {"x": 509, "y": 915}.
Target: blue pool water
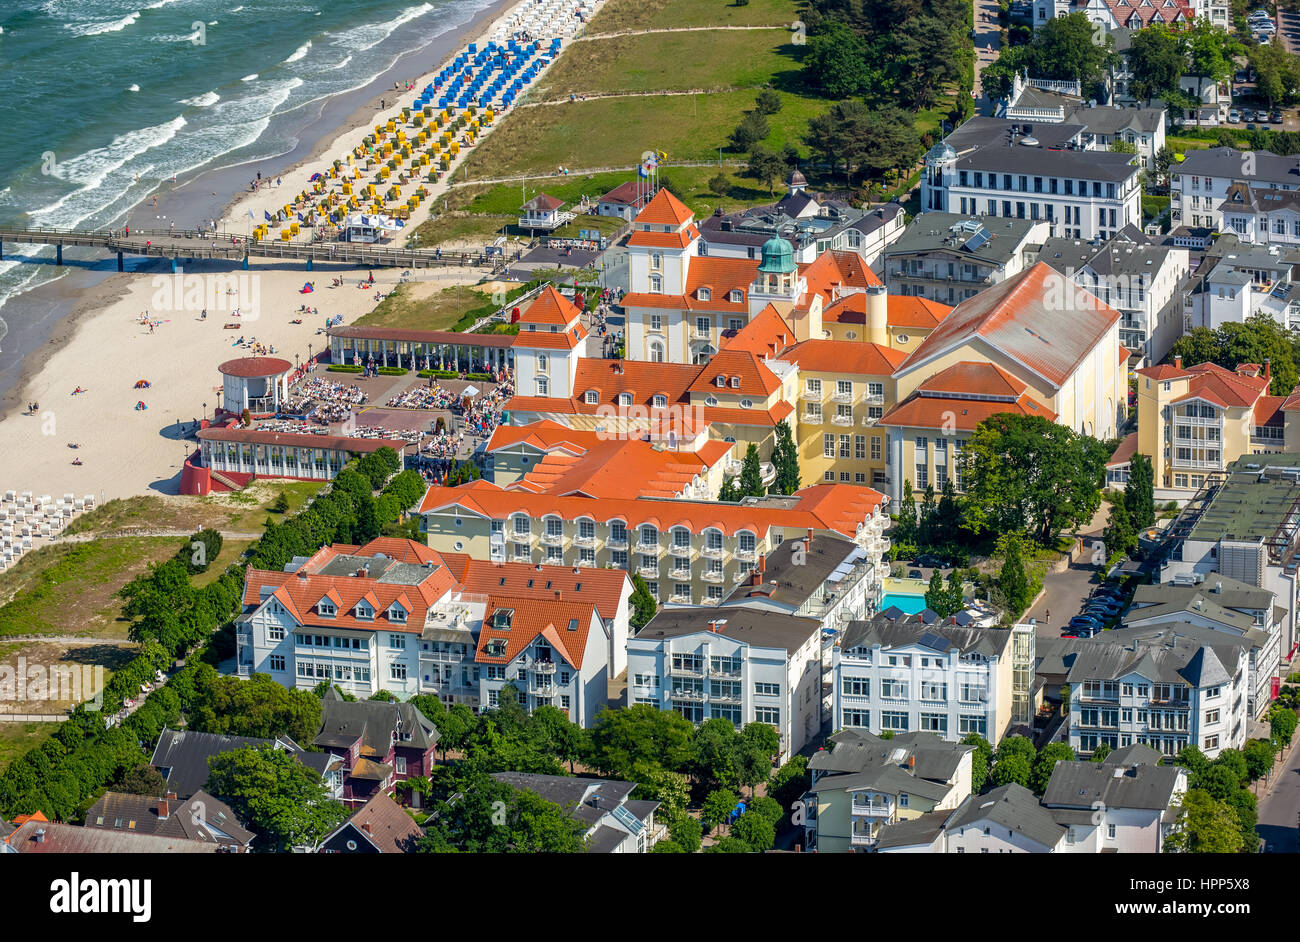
{"x": 911, "y": 604}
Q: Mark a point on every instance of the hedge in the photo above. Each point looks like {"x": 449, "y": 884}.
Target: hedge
{"x": 437, "y": 374}
{"x": 391, "y": 371}
{"x": 343, "y": 368}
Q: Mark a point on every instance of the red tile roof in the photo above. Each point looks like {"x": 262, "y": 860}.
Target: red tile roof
{"x": 902, "y": 311}
{"x": 602, "y": 588}
{"x": 255, "y": 366}
{"x": 629, "y": 194}
{"x": 838, "y": 507}
{"x": 565, "y": 339}
{"x": 544, "y": 202}
{"x": 766, "y": 334}
{"x": 1125, "y": 452}
{"x": 720, "y": 275}
{"x": 1163, "y": 372}
{"x": 664, "y": 240}
{"x": 1020, "y": 318}
{"x": 856, "y": 357}
{"x": 532, "y": 618}
{"x": 1224, "y": 387}
{"x": 933, "y": 412}
{"x": 550, "y": 307}
{"x": 664, "y": 209}
{"x": 832, "y": 270}
{"x": 973, "y": 378}
{"x": 755, "y": 377}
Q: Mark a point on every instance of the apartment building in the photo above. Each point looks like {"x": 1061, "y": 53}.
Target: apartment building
{"x": 1006, "y": 349}
{"x": 1237, "y": 280}
{"x": 689, "y": 552}
{"x": 1222, "y": 604}
{"x": 1134, "y": 14}
{"x": 1167, "y": 688}
{"x": 381, "y": 743}
{"x": 1196, "y": 421}
{"x": 549, "y": 343}
{"x": 1244, "y": 524}
{"x": 1140, "y": 280}
{"x": 1200, "y": 188}
{"x": 742, "y": 663}
{"x": 904, "y": 675}
{"x": 813, "y": 223}
{"x": 949, "y": 256}
{"x": 1024, "y": 170}
{"x": 397, "y": 616}
{"x": 863, "y": 784}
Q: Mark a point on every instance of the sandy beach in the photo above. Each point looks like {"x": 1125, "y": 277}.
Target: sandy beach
{"x": 104, "y": 346}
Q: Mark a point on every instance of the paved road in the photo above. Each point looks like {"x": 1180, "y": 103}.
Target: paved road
{"x": 1288, "y": 26}
{"x": 1279, "y": 808}
{"x": 987, "y": 34}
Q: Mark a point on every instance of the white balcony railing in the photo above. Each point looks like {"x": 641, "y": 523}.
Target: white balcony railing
{"x": 616, "y": 542}
{"x": 587, "y": 541}
{"x": 812, "y": 418}
{"x": 649, "y": 572}
{"x": 842, "y": 396}
{"x": 870, "y": 420}
{"x": 874, "y": 399}
{"x": 543, "y": 667}
{"x": 812, "y": 395}
{"x": 712, "y": 575}
{"x": 714, "y": 552}
{"x": 838, "y": 419}
{"x": 747, "y": 555}
{"x": 553, "y": 539}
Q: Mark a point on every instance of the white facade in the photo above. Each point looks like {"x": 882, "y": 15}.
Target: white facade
{"x": 542, "y": 676}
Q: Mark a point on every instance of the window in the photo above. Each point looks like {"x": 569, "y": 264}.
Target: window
{"x": 828, "y": 446}
{"x": 857, "y": 718}
{"x": 856, "y": 687}
{"x": 767, "y": 690}
{"x": 934, "y": 722}
{"x": 397, "y": 671}
{"x": 860, "y": 447}
{"x": 769, "y": 715}
{"x": 277, "y": 662}
{"x": 893, "y": 720}
{"x": 397, "y": 642}
{"x": 591, "y": 397}
{"x": 275, "y": 633}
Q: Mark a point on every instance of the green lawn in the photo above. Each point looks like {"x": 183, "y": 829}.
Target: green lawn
{"x": 713, "y": 59}
{"x": 613, "y": 133}
{"x": 438, "y": 312}
{"x": 621, "y": 15}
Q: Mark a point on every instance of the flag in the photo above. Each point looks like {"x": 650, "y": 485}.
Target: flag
{"x": 267, "y": 215}
{"x": 300, "y": 219}
{"x": 251, "y": 216}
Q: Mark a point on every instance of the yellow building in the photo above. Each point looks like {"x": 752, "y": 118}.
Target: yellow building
{"x": 1195, "y": 421}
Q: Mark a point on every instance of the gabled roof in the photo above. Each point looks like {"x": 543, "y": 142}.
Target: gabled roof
{"x": 1019, "y": 318}
{"x": 962, "y": 396}
{"x": 972, "y": 378}
{"x": 373, "y": 722}
{"x": 382, "y": 822}
{"x": 719, "y": 274}
{"x": 1240, "y": 388}
{"x": 198, "y": 818}
{"x": 629, "y": 194}
{"x": 664, "y": 209}
{"x": 1084, "y": 784}
{"x": 550, "y": 307}
{"x": 832, "y": 270}
{"x": 184, "y": 754}
{"x": 1013, "y": 807}
{"x": 756, "y": 379}
{"x": 70, "y": 839}
{"x": 566, "y": 624}
{"x": 543, "y": 203}
{"x": 903, "y": 310}
{"x": 602, "y": 588}
{"x": 766, "y": 334}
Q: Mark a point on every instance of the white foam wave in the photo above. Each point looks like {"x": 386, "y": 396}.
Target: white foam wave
{"x": 160, "y": 3}
{"x": 237, "y": 9}
{"x": 96, "y": 27}
{"x": 207, "y": 99}
{"x": 367, "y": 37}
{"x": 299, "y": 52}
{"x": 343, "y": 63}
{"x": 249, "y": 78}
{"x": 134, "y": 88}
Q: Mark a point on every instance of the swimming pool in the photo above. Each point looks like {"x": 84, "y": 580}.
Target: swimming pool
{"x": 911, "y": 604}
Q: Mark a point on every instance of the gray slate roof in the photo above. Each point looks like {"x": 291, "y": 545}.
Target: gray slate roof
{"x": 798, "y": 573}
{"x": 1136, "y": 754}
{"x": 1180, "y": 654}
{"x": 182, "y": 820}
{"x": 1013, "y": 807}
{"x": 909, "y": 831}
{"x": 934, "y": 232}
{"x": 1229, "y": 162}
{"x": 373, "y": 722}
{"x": 588, "y": 801}
{"x": 754, "y": 626}
{"x": 984, "y": 144}
{"x": 184, "y": 755}
{"x": 1081, "y": 785}
{"x": 916, "y": 762}
{"x": 912, "y": 629}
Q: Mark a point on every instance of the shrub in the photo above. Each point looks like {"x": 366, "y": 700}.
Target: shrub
{"x": 343, "y": 368}
{"x": 392, "y": 370}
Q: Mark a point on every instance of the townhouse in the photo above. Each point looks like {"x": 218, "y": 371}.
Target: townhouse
{"x": 1244, "y": 524}
{"x": 1237, "y": 280}
{"x": 863, "y": 784}
{"x": 201, "y": 818}
{"x": 1134, "y": 14}
{"x": 380, "y": 743}
{"x": 949, "y": 256}
{"x": 812, "y": 223}
{"x": 1006, "y": 349}
{"x": 397, "y": 616}
{"x": 1222, "y": 604}
{"x": 904, "y": 675}
{"x": 1006, "y": 820}
{"x": 689, "y": 551}
{"x": 615, "y": 823}
{"x": 1025, "y": 170}
{"x": 1200, "y": 185}
{"x": 181, "y": 757}
{"x": 742, "y": 664}
{"x": 1167, "y": 687}
{"x": 1144, "y": 282}
{"x": 380, "y": 826}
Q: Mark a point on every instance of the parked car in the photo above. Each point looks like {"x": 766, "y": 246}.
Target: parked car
{"x": 914, "y": 574}
{"x": 1234, "y": 116}
{"x": 1275, "y": 117}
{"x": 1085, "y": 621}
{"x": 931, "y": 562}
{"x": 1247, "y": 114}
{"x": 1251, "y": 127}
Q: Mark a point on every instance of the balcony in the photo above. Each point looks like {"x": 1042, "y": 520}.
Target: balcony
{"x": 873, "y": 809}
{"x": 649, "y": 572}
{"x": 870, "y": 420}
{"x": 680, "y": 572}
{"x": 885, "y": 543}
{"x": 684, "y": 671}
{"x": 541, "y": 688}
{"x": 497, "y": 538}
{"x": 697, "y": 334}
{"x": 747, "y": 555}
{"x": 553, "y": 539}
{"x": 616, "y": 542}
{"x": 585, "y": 541}
{"x": 734, "y": 466}
{"x": 861, "y": 840}
{"x": 680, "y": 599}
{"x": 695, "y": 696}
{"x": 874, "y": 399}
{"x": 843, "y": 396}
{"x": 812, "y": 418}
{"x": 726, "y": 698}
{"x": 1101, "y": 696}
{"x": 650, "y": 549}
{"x": 811, "y": 395}
{"x": 712, "y": 575}
{"x": 713, "y": 552}
{"x": 521, "y": 558}
{"x": 525, "y": 537}
{"x": 542, "y": 667}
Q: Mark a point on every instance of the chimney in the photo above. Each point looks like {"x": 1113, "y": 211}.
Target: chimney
{"x": 1178, "y": 361}
{"x": 911, "y": 762}
{"x": 170, "y": 796}
{"x": 1218, "y": 588}
{"x": 40, "y": 835}
{"x": 877, "y": 315}
{"x": 365, "y": 826}
{"x": 558, "y": 595}
{"x": 1268, "y": 369}
{"x": 808, "y": 545}
{"x": 164, "y": 810}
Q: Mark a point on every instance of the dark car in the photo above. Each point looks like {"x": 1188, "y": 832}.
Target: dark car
{"x": 1251, "y": 127}
{"x": 914, "y": 574}
{"x": 1084, "y": 621}
{"x": 932, "y": 562}
{"x": 1275, "y": 117}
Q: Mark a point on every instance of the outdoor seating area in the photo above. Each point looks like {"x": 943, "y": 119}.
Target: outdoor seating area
{"x": 26, "y": 521}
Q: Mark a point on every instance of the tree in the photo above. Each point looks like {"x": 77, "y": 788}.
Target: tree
{"x": 1051, "y": 754}
{"x": 758, "y": 744}
{"x": 717, "y": 807}
{"x": 640, "y": 733}
{"x": 905, "y": 524}
{"x": 714, "y": 754}
{"x": 1014, "y": 768}
{"x": 1282, "y": 723}
{"x": 281, "y": 504}
{"x": 1101, "y": 752}
{"x": 766, "y": 167}
{"x": 259, "y": 707}
{"x": 563, "y": 738}
{"x": 938, "y": 597}
{"x": 685, "y": 831}
{"x": 752, "y": 129}
{"x": 1139, "y": 492}
{"x": 1024, "y": 473}
{"x": 1157, "y": 60}
{"x": 980, "y": 759}
{"x": 751, "y": 474}
{"x": 1209, "y": 57}
{"x": 755, "y": 830}
{"x": 768, "y": 807}
{"x": 143, "y": 780}
{"x": 277, "y": 795}
{"x": 1012, "y": 581}
{"x": 768, "y": 101}
{"x": 729, "y": 492}
{"x": 1065, "y": 48}
{"x": 644, "y": 605}
{"x": 785, "y": 460}
{"x": 719, "y": 184}
{"x": 487, "y": 816}
{"x": 1017, "y": 745}
{"x": 790, "y": 782}
{"x": 836, "y": 61}
{"x": 1120, "y": 534}
{"x": 1205, "y": 825}
{"x": 730, "y": 845}
{"x": 1259, "y": 755}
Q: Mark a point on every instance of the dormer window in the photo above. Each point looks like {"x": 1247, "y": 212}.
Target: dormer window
{"x": 625, "y": 399}
{"x": 591, "y": 397}
{"x": 397, "y": 613}
{"x": 704, "y": 294}
{"x": 736, "y": 296}
{"x": 660, "y": 402}
{"x": 326, "y": 608}
{"x": 720, "y": 382}
{"x": 365, "y": 611}
{"x": 735, "y": 382}
{"x": 555, "y": 329}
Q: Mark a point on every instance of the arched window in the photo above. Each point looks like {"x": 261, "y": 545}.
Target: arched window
{"x": 649, "y": 535}
{"x": 656, "y": 351}
{"x": 656, "y": 284}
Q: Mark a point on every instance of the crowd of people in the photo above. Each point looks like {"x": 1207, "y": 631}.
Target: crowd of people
{"x": 425, "y": 397}
{"x": 324, "y": 400}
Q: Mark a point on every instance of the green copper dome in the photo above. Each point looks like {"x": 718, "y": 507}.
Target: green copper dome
{"x": 778, "y": 257}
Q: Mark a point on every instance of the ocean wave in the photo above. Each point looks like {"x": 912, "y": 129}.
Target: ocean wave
{"x": 96, "y": 27}
{"x": 249, "y": 78}
{"x": 237, "y": 9}
{"x": 299, "y": 52}
{"x": 367, "y": 37}
{"x": 342, "y": 64}
{"x": 160, "y": 3}
{"x": 175, "y": 38}
{"x": 134, "y": 88}
{"x": 91, "y": 172}
{"x": 205, "y": 100}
